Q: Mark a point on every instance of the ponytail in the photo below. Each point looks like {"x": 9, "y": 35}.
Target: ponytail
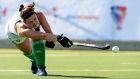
{"x": 21, "y": 7}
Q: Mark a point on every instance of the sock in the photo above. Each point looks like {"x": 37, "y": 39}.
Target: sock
{"x": 30, "y": 56}
{"x": 38, "y": 47}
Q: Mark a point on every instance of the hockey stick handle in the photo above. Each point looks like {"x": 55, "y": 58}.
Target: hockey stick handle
{"x": 102, "y": 47}
{"x": 84, "y": 44}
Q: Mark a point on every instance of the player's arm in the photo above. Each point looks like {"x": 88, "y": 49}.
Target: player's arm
{"x": 43, "y": 22}
{"x": 22, "y": 30}
{"x": 64, "y": 41}
{"x": 46, "y": 27}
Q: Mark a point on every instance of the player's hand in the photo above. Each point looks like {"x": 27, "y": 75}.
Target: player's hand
{"x": 49, "y": 44}
{"x": 64, "y": 41}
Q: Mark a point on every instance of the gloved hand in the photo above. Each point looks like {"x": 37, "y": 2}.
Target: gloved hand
{"x": 64, "y": 41}
{"x": 49, "y": 44}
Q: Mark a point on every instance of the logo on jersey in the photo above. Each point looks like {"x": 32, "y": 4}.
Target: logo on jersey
{"x": 118, "y": 14}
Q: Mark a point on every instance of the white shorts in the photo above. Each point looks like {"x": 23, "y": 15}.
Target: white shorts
{"x": 15, "y": 38}
{"x": 12, "y": 35}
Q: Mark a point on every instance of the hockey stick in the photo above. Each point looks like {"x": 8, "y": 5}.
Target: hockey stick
{"x": 102, "y": 47}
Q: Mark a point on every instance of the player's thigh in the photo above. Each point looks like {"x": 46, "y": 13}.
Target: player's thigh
{"x": 25, "y": 46}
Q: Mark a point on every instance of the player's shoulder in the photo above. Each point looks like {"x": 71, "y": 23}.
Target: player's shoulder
{"x": 39, "y": 13}
{"x": 20, "y": 24}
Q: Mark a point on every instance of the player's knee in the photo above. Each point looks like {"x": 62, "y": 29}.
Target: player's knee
{"x": 25, "y": 48}
{"x": 28, "y": 51}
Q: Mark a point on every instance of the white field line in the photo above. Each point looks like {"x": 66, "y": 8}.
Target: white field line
{"x": 76, "y": 70}
{"x": 80, "y": 54}
{"x": 66, "y": 55}
{"x": 129, "y": 63}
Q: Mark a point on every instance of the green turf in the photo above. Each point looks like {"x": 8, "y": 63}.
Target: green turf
{"x": 73, "y": 64}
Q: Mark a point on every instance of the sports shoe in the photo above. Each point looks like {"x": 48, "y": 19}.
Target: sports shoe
{"x": 33, "y": 67}
{"x": 41, "y": 71}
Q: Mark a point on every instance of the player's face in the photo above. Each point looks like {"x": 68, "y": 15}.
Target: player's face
{"x": 32, "y": 21}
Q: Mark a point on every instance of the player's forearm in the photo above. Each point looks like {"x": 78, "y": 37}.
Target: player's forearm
{"x": 34, "y": 35}
{"x": 40, "y": 35}
{"x": 51, "y": 37}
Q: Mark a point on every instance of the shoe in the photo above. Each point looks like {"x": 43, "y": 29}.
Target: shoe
{"x": 33, "y": 67}
{"x": 41, "y": 71}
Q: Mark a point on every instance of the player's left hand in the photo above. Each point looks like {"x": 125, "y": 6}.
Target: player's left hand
{"x": 49, "y": 44}
{"x": 64, "y": 41}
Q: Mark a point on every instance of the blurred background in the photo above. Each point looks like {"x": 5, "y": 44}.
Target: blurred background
{"x": 95, "y": 21}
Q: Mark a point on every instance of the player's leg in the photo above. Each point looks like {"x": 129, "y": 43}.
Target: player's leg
{"x": 39, "y": 52}
{"x": 26, "y": 47}
{"x": 36, "y": 52}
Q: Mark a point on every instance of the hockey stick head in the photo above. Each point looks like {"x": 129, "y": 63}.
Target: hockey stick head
{"x": 106, "y": 47}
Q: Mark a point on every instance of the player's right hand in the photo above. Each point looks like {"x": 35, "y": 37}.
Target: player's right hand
{"x": 49, "y": 44}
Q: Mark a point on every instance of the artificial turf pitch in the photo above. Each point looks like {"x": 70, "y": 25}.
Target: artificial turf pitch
{"x": 73, "y": 64}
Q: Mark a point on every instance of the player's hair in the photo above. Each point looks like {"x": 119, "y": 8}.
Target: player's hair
{"x": 26, "y": 11}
